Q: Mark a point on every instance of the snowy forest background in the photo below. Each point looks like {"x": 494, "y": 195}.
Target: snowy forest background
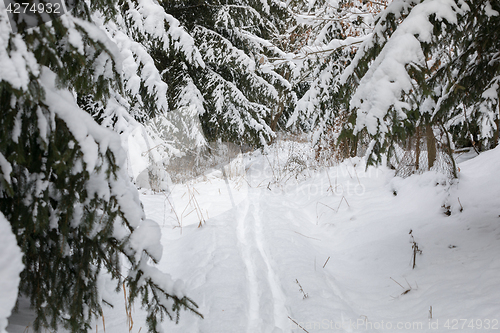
{"x": 115, "y": 95}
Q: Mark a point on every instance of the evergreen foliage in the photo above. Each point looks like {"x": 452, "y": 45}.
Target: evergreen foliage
{"x": 72, "y": 208}
{"x": 151, "y": 43}
{"x": 469, "y": 102}
{"x": 431, "y": 64}
{"x": 241, "y": 98}
{"x": 330, "y": 32}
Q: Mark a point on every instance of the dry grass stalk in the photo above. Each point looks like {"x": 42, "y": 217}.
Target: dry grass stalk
{"x": 128, "y": 310}
{"x": 326, "y": 262}
{"x": 344, "y": 199}
{"x": 298, "y": 325}
{"x": 406, "y": 290}
{"x": 302, "y": 290}
{"x": 172, "y": 209}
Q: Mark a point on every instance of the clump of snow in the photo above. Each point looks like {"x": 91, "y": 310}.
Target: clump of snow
{"x": 17, "y": 63}
{"x": 147, "y": 238}
{"x": 6, "y": 168}
{"x": 489, "y": 10}
{"x": 140, "y": 154}
{"x": 11, "y": 266}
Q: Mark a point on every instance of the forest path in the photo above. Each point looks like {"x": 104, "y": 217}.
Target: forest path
{"x": 267, "y": 301}
{"x": 321, "y": 252}
{"x": 246, "y": 267}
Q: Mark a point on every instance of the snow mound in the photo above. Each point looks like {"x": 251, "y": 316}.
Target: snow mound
{"x": 11, "y": 265}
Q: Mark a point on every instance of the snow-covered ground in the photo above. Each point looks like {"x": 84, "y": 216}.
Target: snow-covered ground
{"x": 285, "y": 246}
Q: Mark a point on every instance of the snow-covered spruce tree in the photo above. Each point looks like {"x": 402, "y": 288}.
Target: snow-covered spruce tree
{"x": 377, "y": 81}
{"x": 243, "y": 98}
{"x": 422, "y": 71}
{"x": 151, "y": 127}
{"x": 468, "y": 102}
{"x": 69, "y": 203}
{"x": 331, "y": 31}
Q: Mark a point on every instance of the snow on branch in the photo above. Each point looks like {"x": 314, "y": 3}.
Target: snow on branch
{"x": 12, "y": 265}
{"x": 387, "y": 79}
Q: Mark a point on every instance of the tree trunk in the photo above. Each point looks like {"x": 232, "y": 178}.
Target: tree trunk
{"x": 450, "y": 152}
{"x": 431, "y": 145}
{"x": 417, "y": 149}
{"x": 281, "y": 107}
{"x": 496, "y": 134}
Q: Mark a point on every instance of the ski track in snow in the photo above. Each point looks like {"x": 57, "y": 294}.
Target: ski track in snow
{"x": 257, "y": 261}
{"x": 280, "y": 311}
{"x": 244, "y": 239}
{"x": 246, "y": 276}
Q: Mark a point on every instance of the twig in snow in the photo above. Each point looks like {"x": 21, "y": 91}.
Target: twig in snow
{"x": 355, "y": 172}
{"x": 343, "y": 198}
{"x": 306, "y": 236}
{"x": 272, "y": 168}
{"x": 408, "y": 283}
{"x": 327, "y": 206}
{"x": 331, "y": 188}
{"x": 406, "y": 290}
{"x": 461, "y": 207}
{"x": 128, "y": 310}
{"x": 326, "y": 262}
{"x": 397, "y": 283}
{"x": 302, "y": 290}
{"x": 193, "y": 203}
{"x": 103, "y": 322}
{"x": 298, "y": 325}
{"x": 414, "y": 248}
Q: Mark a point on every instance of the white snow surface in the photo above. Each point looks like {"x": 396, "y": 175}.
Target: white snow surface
{"x": 11, "y": 265}
{"x": 342, "y": 233}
